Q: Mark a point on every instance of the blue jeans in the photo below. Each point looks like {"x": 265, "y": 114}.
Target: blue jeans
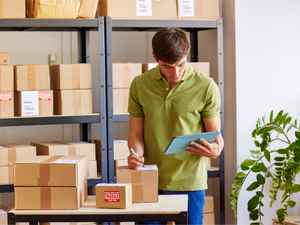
{"x": 196, "y": 202}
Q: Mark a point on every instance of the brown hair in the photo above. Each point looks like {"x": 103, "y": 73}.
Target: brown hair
{"x": 170, "y": 44}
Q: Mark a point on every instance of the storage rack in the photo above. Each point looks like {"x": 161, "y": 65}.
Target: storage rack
{"x": 82, "y": 26}
{"x": 191, "y": 26}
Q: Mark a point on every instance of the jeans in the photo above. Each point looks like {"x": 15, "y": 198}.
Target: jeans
{"x": 196, "y": 202}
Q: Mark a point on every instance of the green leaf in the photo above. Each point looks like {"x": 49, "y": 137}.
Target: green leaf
{"x": 247, "y": 163}
{"x": 279, "y": 158}
{"x": 253, "y": 186}
{"x": 253, "y": 203}
{"x": 283, "y": 151}
{"x": 260, "y": 179}
{"x": 291, "y": 203}
{"x": 297, "y": 134}
{"x": 281, "y": 214}
{"x": 259, "y": 167}
{"x": 254, "y": 214}
{"x": 271, "y": 116}
{"x": 295, "y": 188}
{"x": 267, "y": 155}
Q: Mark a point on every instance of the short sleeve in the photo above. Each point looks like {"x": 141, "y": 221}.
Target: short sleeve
{"x": 212, "y": 101}
{"x": 135, "y": 108}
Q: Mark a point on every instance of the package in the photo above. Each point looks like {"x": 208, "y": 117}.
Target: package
{"x": 98, "y": 153}
{"x": 6, "y": 104}
{"x": 4, "y": 57}
{"x": 6, "y": 78}
{"x": 73, "y": 102}
{"x": 6, "y": 175}
{"x": 92, "y": 169}
{"x": 34, "y": 103}
{"x": 144, "y": 182}
{"x": 120, "y": 100}
{"x": 124, "y": 73}
{"x": 117, "y": 196}
{"x": 121, "y": 162}
{"x": 138, "y": 9}
{"x": 12, "y": 9}
{"x": 199, "y": 9}
{"x": 32, "y": 77}
{"x": 11, "y": 154}
{"x": 84, "y": 149}
{"x": 71, "y": 76}
{"x": 52, "y": 8}
{"x": 209, "y": 216}
{"x": 121, "y": 150}
{"x": 88, "y": 8}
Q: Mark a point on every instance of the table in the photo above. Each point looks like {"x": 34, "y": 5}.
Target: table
{"x": 169, "y": 208}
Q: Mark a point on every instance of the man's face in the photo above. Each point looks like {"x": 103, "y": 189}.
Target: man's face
{"x": 172, "y": 72}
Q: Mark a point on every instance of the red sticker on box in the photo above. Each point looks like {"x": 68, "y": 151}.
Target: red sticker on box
{"x": 45, "y": 96}
{"x": 5, "y": 97}
{"x": 111, "y": 196}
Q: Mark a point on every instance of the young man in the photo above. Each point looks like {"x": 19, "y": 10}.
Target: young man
{"x": 170, "y": 100}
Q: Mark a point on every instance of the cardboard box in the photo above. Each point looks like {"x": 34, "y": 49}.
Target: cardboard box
{"x": 88, "y": 8}
{"x": 47, "y": 198}
{"x": 144, "y": 182}
{"x": 6, "y": 175}
{"x": 73, "y": 102}
{"x": 120, "y": 100}
{"x": 71, "y": 76}
{"x": 124, "y": 73}
{"x": 6, "y": 78}
{"x": 52, "y": 8}
{"x": 32, "y": 77}
{"x": 84, "y": 149}
{"x": 6, "y": 104}
{"x": 199, "y": 9}
{"x": 121, "y": 162}
{"x": 98, "y": 154}
{"x": 34, "y": 103}
{"x": 121, "y": 150}
{"x": 11, "y": 154}
{"x": 116, "y": 196}
{"x": 209, "y": 216}
{"x": 3, "y": 217}
{"x": 92, "y": 169}
{"x": 12, "y": 8}
{"x": 157, "y": 9}
{"x": 4, "y": 57}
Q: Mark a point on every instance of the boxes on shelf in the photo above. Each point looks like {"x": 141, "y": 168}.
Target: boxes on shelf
{"x": 118, "y": 196}
{"x": 121, "y": 150}
{"x": 52, "y": 149}
{"x": 34, "y": 103}
{"x": 6, "y": 175}
{"x": 6, "y": 104}
{"x": 11, "y": 154}
{"x": 151, "y": 9}
{"x": 92, "y": 169}
{"x": 88, "y": 8}
{"x": 124, "y": 73}
{"x": 120, "y": 100}
{"x": 144, "y": 182}
{"x": 4, "y": 58}
{"x": 71, "y": 76}
{"x": 52, "y": 9}
{"x": 32, "y": 77}
{"x": 73, "y": 102}
{"x": 12, "y": 9}
{"x": 209, "y": 216}
{"x": 6, "y": 78}
{"x": 83, "y": 148}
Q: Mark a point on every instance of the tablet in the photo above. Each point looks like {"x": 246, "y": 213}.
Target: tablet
{"x": 178, "y": 144}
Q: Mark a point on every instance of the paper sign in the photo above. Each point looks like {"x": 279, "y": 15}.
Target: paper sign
{"x": 111, "y": 196}
{"x": 186, "y": 8}
{"x": 144, "y": 7}
{"x": 66, "y": 161}
{"x": 147, "y": 167}
{"x": 30, "y": 103}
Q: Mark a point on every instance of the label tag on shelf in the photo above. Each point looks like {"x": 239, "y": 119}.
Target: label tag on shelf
{"x": 30, "y": 103}
{"x": 144, "y": 7}
{"x": 186, "y": 8}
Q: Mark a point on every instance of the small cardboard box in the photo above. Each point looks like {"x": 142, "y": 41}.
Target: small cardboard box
{"x": 121, "y": 150}
{"x": 52, "y": 9}
{"x": 32, "y": 198}
{"x": 6, "y": 175}
{"x": 92, "y": 169}
{"x": 6, "y": 78}
{"x": 73, "y": 102}
{"x": 116, "y": 196}
{"x": 32, "y": 77}
{"x": 71, "y": 76}
{"x": 124, "y": 73}
{"x": 153, "y": 9}
{"x": 88, "y": 8}
{"x": 11, "y": 154}
{"x": 12, "y": 9}
{"x": 83, "y": 148}
{"x": 4, "y": 57}
{"x": 46, "y": 104}
{"x": 6, "y": 104}
{"x": 120, "y": 100}
{"x": 144, "y": 182}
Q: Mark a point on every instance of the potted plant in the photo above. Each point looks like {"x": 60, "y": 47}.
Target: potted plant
{"x": 276, "y": 158}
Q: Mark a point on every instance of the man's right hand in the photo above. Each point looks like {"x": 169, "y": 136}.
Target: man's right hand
{"x": 135, "y": 161}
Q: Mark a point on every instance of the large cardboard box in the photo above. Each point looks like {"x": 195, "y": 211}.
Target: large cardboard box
{"x": 121, "y": 150}
{"x": 92, "y": 169}
{"x": 11, "y": 154}
{"x": 199, "y": 9}
{"x": 6, "y": 78}
{"x": 12, "y": 8}
{"x": 4, "y": 57}
{"x": 52, "y": 8}
{"x": 137, "y": 9}
{"x": 88, "y": 8}
{"x": 73, "y": 102}
{"x": 118, "y": 196}
{"x": 120, "y": 100}
{"x": 71, "y": 76}
{"x": 124, "y": 73}
{"x": 6, "y": 175}
{"x": 34, "y": 103}
{"x": 144, "y": 182}
{"x": 6, "y": 104}
{"x": 32, "y": 77}
{"x": 84, "y": 148}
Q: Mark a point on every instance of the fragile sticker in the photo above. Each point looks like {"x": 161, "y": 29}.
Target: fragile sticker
{"x": 6, "y": 97}
{"x": 111, "y": 196}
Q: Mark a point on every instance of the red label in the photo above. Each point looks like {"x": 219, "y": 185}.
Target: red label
{"x": 111, "y": 196}
{"x": 44, "y": 96}
{"x": 5, "y": 97}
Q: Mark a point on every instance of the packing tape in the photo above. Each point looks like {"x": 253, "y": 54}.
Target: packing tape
{"x": 45, "y": 197}
{"x": 31, "y": 77}
{"x": 44, "y": 177}
{"x": 11, "y": 155}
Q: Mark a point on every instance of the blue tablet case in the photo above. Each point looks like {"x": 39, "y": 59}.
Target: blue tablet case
{"x": 179, "y": 143}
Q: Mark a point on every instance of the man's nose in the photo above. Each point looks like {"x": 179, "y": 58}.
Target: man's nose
{"x": 175, "y": 70}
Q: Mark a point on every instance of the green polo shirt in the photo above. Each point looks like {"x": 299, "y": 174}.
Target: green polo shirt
{"x": 171, "y": 112}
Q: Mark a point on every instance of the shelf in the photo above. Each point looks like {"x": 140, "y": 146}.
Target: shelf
{"x": 120, "y": 118}
{"x": 4, "y": 188}
{"x": 25, "y": 121}
{"x": 29, "y": 24}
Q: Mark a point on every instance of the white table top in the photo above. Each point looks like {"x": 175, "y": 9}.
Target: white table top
{"x": 167, "y": 204}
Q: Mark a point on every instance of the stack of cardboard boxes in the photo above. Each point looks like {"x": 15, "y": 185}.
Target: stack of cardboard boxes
{"x": 12, "y": 9}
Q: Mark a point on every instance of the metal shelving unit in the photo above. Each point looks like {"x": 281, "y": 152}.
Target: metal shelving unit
{"x": 82, "y": 26}
{"x": 191, "y": 26}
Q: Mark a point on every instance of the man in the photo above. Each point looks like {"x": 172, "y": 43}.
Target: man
{"x": 171, "y": 100}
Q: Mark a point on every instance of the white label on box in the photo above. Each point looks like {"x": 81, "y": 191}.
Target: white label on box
{"x": 30, "y": 103}
{"x": 66, "y": 161}
{"x": 144, "y": 7}
{"x": 186, "y": 8}
{"x": 147, "y": 167}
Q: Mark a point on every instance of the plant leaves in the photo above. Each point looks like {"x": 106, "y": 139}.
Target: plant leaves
{"x": 295, "y": 188}
{"x": 254, "y": 214}
{"x": 259, "y": 167}
{"x": 281, "y": 214}
{"x": 247, "y": 163}
{"x": 253, "y": 186}
{"x": 267, "y": 155}
{"x": 260, "y": 179}
{"x": 253, "y": 203}
{"x": 291, "y": 203}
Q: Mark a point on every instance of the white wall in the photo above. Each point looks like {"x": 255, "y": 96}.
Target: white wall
{"x": 267, "y": 70}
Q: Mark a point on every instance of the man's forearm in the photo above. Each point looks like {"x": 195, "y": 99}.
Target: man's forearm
{"x": 137, "y": 143}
